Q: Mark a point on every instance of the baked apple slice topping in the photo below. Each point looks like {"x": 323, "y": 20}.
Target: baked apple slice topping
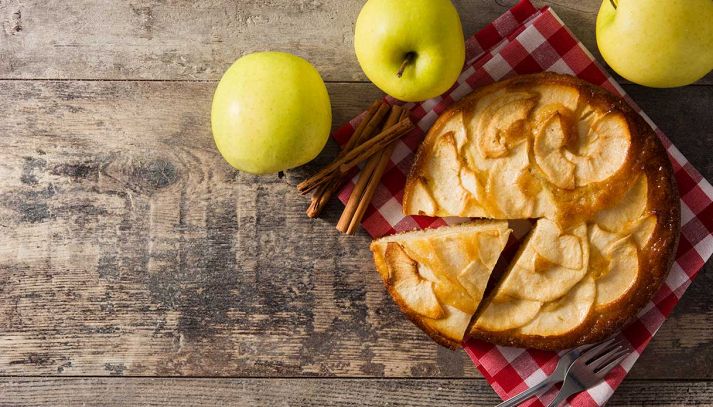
{"x": 412, "y": 289}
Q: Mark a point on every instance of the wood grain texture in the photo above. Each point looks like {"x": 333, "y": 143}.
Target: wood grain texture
{"x": 184, "y": 39}
{"x": 673, "y": 110}
{"x": 110, "y": 392}
{"x": 130, "y": 248}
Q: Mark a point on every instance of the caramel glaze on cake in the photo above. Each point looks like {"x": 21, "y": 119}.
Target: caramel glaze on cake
{"x": 555, "y": 148}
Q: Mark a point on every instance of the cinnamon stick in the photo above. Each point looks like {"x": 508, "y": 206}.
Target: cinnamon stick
{"x": 364, "y": 177}
{"x": 369, "y": 129}
{"x": 360, "y": 153}
{"x": 372, "y": 119}
{"x": 319, "y": 199}
{"x": 373, "y": 183}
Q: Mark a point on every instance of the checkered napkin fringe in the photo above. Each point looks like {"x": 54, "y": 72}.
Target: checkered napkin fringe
{"x": 528, "y": 40}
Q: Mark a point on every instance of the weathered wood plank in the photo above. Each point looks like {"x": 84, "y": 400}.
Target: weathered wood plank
{"x": 672, "y": 110}
{"x": 129, "y": 247}
{"x": 152, "y": 39}
{"x": 307, "y": 392}
{"x": 682, "y": 346}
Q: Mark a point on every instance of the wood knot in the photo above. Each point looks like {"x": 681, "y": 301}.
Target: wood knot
{"x": 155, "y": 174}
{"x": 16, "y": 22}
{"x": 76, "y": 170}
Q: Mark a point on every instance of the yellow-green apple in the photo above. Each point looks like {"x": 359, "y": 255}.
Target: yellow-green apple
{"x": 270, "y": 112}
{"x": 657, "y": 43}
{"x": 411, "y": 49}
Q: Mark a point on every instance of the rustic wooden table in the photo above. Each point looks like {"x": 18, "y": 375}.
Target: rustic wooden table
{"x": 139, "y": 268}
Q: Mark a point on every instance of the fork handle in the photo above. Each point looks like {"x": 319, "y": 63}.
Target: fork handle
{"x": 568, "y": 388}
{"x": 519, "y": 398}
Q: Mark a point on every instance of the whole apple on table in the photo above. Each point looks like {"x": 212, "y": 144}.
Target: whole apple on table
{"x": 412, "y": 50}
{"x": 271, "y": 110}
{"x": 657, "y": 43}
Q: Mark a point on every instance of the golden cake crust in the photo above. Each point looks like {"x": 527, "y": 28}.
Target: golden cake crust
{"x": 646, "y": 156}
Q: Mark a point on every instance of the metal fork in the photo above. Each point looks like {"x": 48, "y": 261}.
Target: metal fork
{"x": 557, "y": 376}
{"x": 591, "y": 368}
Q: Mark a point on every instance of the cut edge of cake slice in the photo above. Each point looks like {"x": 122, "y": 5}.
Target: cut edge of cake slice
{"x": 438, "y": 276}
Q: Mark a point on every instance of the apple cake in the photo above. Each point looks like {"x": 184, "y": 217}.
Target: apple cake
{"x": 438, "y": 276}
{"x": 592, "y": 172}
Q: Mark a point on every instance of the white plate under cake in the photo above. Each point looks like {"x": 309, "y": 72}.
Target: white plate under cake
{"x": 593, "y": 176}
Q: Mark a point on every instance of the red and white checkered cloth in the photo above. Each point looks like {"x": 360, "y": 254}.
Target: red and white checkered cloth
{"x": 528, "y": 40}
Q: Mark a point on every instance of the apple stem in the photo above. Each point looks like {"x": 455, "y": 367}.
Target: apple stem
{"x": 613, "y": 3}
{"x": 407, "y": 60}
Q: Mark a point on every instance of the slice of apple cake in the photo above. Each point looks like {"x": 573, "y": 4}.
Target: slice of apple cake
{"x": 438, "y": 276}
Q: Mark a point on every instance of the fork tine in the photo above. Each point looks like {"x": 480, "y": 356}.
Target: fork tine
{"x": 593, "y": 352}
{"x": 602, "y": 372}
{"x": 608, "y": 357}
{"x": 585, "y": 348}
